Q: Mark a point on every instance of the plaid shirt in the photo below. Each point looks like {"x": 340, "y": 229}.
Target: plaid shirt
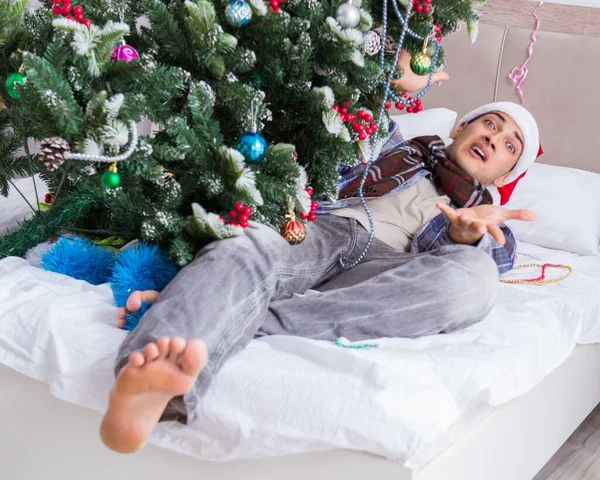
{"x": 434, "y": 234}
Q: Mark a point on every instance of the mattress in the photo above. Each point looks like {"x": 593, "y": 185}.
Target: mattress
{"x": 285, "y": 395}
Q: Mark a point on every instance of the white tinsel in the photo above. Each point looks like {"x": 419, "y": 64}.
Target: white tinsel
{"x": 247, "y": 184}
{"x": 258, "y": 7}
{"x": 366, "y": 21}
{"x": 303, "y": 200}
{"x": 357, "y": 58}
{"x": 211, "y": 224}
{"x": 328, "y": 97}
{"x": 90, "y": 147}
{"x": 234, "y": 158}
{"x": 85, "y": 39}
{"x": 344, "y": 134}
{"x": 115, "y": 133}
{"x": 113, "y": 105}
{"x": 352, "y": 35}
{"x": 332, "y": 121}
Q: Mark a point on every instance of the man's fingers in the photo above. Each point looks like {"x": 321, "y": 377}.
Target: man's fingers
{"x": 523, "y": 215}
{"x": 480, "y": 227}
{"x": 496, "y": 232}
{"x": 447, "y": 210}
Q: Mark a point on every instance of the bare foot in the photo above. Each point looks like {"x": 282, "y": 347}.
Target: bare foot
{"x": 165, "y": 369}
{"x": 134, "y": 303}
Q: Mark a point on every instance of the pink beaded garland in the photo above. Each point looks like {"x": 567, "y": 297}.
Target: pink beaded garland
{"x": 124, "y": 53}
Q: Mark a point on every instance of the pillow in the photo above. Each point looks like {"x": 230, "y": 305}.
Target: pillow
{"x": 567, "y": 204}
{"x": 434, "y": 121}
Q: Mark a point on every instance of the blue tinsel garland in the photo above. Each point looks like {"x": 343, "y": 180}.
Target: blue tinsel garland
{"x": 144, "y": 267}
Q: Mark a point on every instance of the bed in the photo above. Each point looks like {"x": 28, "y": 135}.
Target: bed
{"x": 493, "y": 402}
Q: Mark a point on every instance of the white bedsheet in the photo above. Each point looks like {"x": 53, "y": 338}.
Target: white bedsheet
{"x": 287, "y": 395}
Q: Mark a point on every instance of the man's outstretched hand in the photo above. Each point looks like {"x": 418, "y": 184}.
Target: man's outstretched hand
{"x": 468, "y": 225}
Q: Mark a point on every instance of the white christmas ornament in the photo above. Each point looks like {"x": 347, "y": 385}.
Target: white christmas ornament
{"x": 348, "y": 15}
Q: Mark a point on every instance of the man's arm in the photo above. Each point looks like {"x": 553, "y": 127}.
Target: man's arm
{"x": 436, "y": 234}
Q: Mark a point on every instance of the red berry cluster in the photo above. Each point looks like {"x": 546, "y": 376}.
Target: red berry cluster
{"x": 240, "y": 215}
{"x": 70, "y": 12}
{"x": 413, "y": 106}
{"x": 275, "y": 5}
{"x": 48, "y": 198}
{"x": 312, "y": 216}
{"x": 438, "y": 32}
{"x": 422, "y": 6}
{"x": 362, "y": 122}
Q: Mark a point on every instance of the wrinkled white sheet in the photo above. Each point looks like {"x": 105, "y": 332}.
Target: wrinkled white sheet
{"x": 286, "y": 395}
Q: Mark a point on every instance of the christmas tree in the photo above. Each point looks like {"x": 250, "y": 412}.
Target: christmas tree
{"x": 253, "y": 109}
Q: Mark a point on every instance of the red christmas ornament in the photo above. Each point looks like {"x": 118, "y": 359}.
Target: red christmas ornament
{"x": 87, "y": 22}
{"x": 350, "y": 117}
{"x": 344, "y": 110}
{"x": 66, "y": 10}
{"x": 312, "y": 216}
{"x": 368, "y": 118}
{"x": 314, "y": 206}
{"x": 399, "y": 105}
{"x": 248, "y": 211}
{"x": 388, "y": 105}
{"x": 239, "y": 206}
{"x": 362, "y": 135}
{"x": 374, "y": 126}
{"x": 78, "y": 10}
{"x": 336, "y": 108}
{"x": 304, "y": 216}
{"x": 343, "y": 117}
{"x": 409, "y": 109}
{"x": 56, "y": 9}
{"x": 418, "y": 8}
{"x": 355, "y": 126}
{"x": 361, "y": 113}
{"x": 309, "y": 191}
{"x": 426, "y": 9}
{"x": 438, "y": 38}
{"x": 293, "y": 230}
{"x": 346, "y": 104}
{"x": 222, "y": 219}
{"x": 232, "y": 214}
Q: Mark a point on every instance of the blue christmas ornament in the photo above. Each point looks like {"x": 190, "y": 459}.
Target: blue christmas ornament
{"x": 238, "y": 13}
{"x": 253, "y": 147}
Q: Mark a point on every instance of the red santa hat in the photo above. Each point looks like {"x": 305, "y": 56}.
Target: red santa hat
{"x": 531, "y": 140}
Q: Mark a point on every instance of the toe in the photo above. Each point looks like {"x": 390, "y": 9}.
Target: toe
{"x": 151, "y": 352}
{"x": 134, "y": 302}
{"x": 175, "y": 348}
{"x": 163, "y": 346}
{"x": 194, "y": 357}
{"x": 136, "y": 359}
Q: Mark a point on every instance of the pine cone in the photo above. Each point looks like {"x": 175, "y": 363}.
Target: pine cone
{"x": 52, "y": 151}
{"x": 372, "y": 44}
{"x": 323, "y": 70}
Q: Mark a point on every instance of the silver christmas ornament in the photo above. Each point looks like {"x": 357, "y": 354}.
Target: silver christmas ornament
{"x": 348, "y": 15}
{"x": 372, "y": 44}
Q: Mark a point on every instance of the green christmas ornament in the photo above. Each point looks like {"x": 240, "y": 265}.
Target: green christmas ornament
{"x": 14, "y": 79}
{"x": 421, "y": 63}
{"x": 111, "y": 178}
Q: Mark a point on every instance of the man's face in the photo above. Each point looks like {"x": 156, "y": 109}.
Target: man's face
{"x": 488, "y": 148}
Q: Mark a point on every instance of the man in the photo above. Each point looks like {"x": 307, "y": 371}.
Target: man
{"x": 425, "y": 273}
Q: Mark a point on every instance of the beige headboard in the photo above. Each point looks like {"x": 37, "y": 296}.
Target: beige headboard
{"x": 561, "y": 89}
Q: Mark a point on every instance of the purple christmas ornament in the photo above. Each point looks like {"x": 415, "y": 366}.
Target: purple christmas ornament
{"x": 124, "y": 53}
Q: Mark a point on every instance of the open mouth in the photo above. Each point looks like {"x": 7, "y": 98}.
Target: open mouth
{"x": 478, "y": 151}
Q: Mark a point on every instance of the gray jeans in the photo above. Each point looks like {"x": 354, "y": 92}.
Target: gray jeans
{"x": 257, "y": 284}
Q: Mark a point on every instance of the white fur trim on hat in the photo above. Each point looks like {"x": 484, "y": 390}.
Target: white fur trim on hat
{"x": 528, "y": 126}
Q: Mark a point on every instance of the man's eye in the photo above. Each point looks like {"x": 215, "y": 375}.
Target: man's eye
{"x": 491, "y": 124}
{"x": 512, "y": 148}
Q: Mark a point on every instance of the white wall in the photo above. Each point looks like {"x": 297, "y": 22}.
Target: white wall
{"x": 580, "y": 3}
